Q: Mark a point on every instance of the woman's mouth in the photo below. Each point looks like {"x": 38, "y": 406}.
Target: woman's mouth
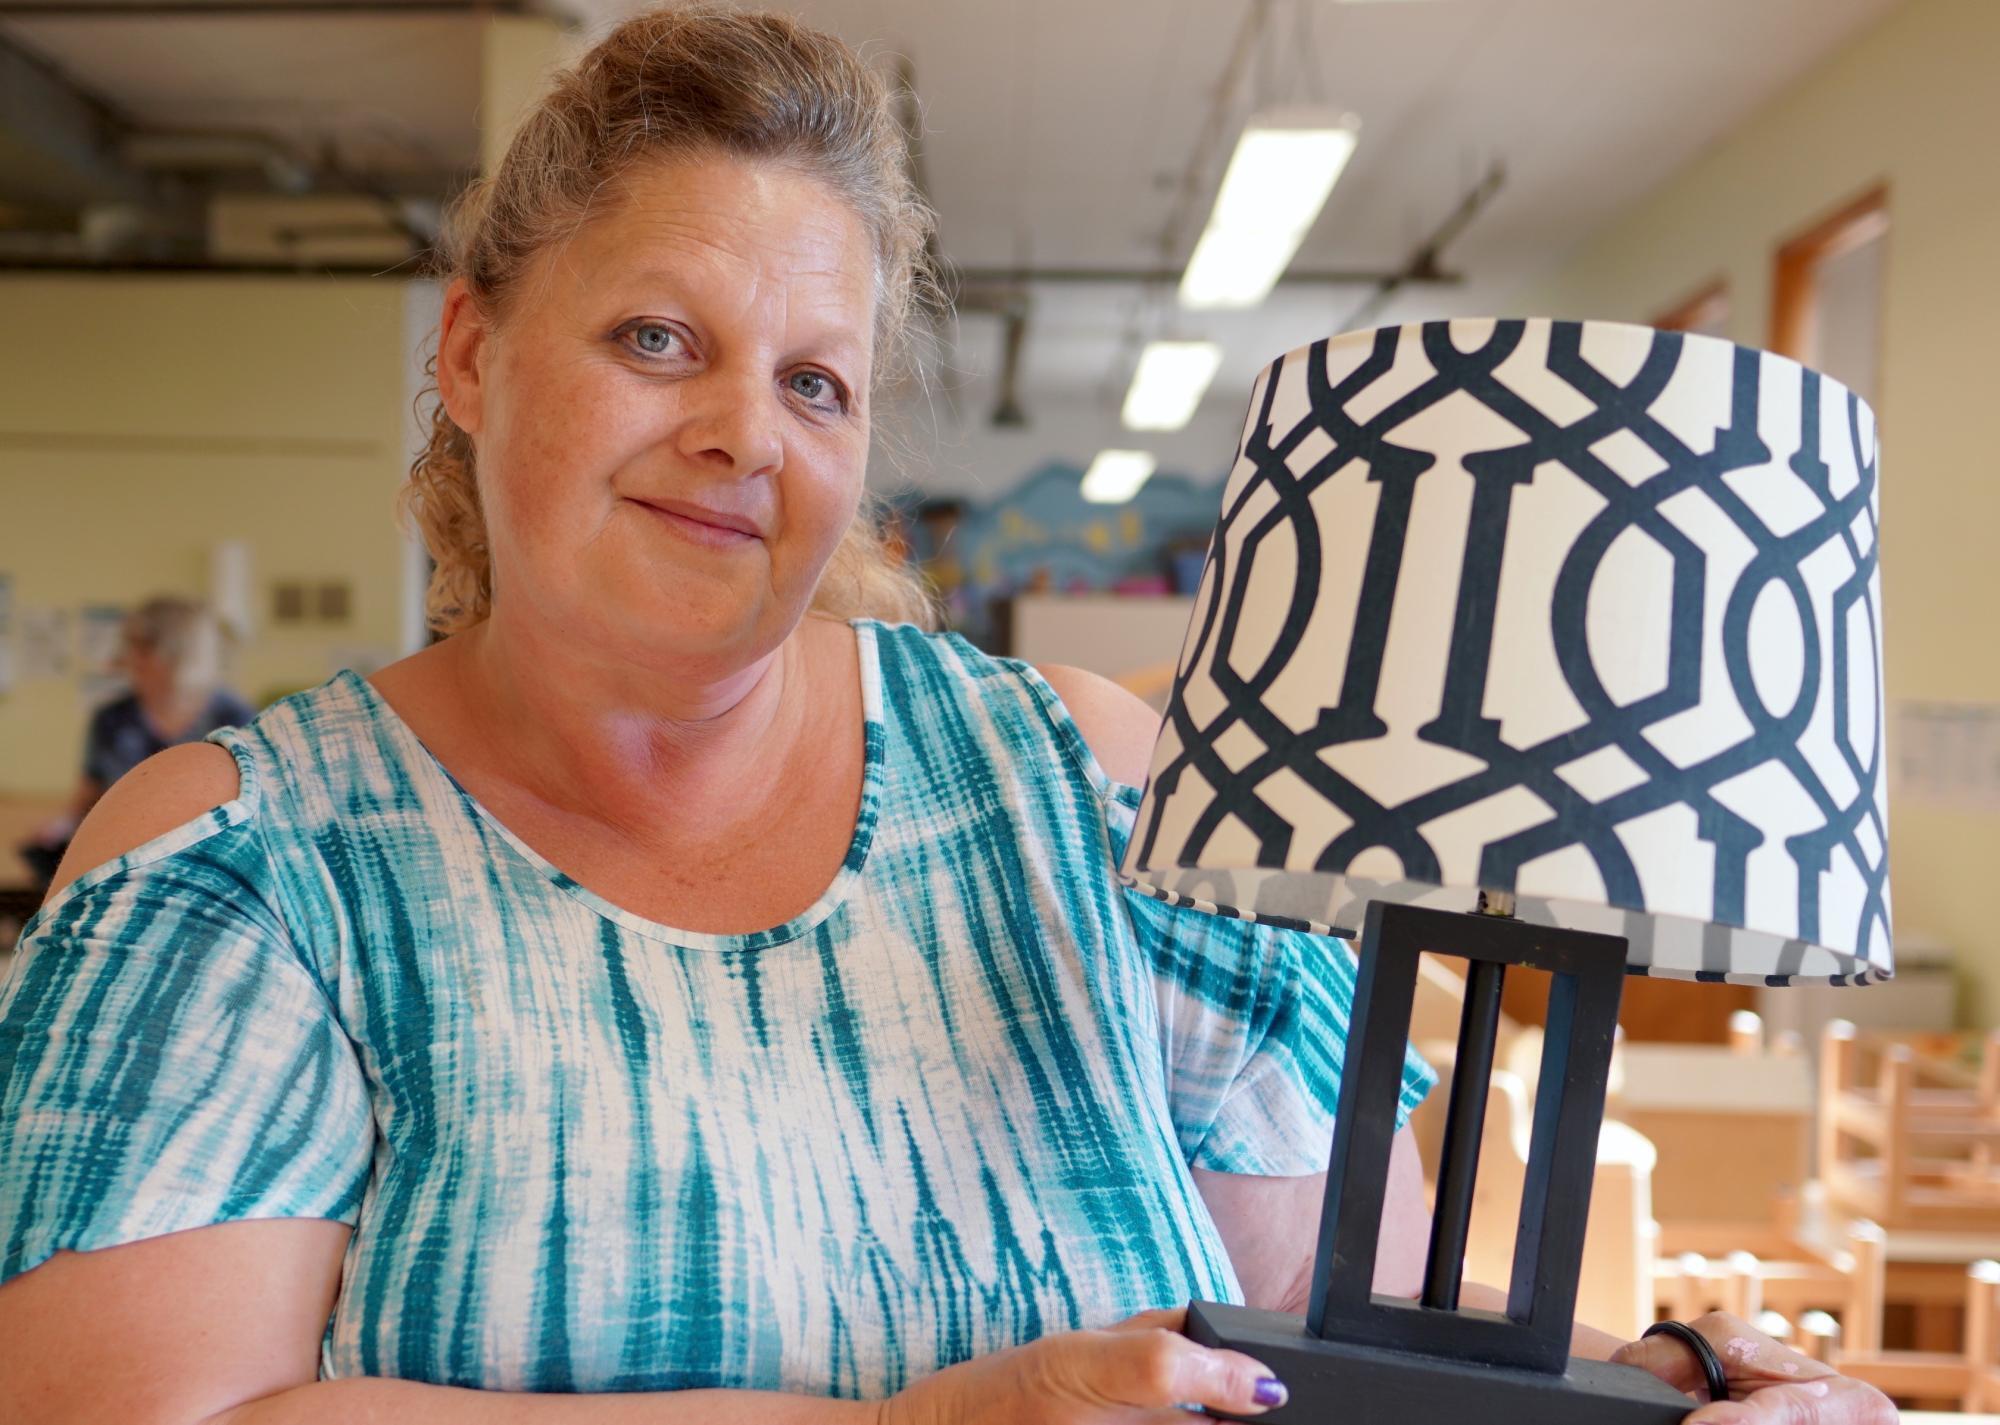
{"x": 712, "y": 529}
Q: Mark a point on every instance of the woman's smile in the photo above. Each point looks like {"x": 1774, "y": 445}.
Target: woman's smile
{"x": 711, "y": 529}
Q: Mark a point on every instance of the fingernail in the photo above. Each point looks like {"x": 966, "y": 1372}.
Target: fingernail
{"x": 1270, "y": 1392}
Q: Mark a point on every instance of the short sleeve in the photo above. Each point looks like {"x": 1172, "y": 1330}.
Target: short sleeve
{"x": 1254, "y": 1027}
{"x": 167, "y": 1059}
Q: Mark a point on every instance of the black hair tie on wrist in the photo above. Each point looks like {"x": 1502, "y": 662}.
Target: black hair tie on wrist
{"x": 1711, "y": 1364}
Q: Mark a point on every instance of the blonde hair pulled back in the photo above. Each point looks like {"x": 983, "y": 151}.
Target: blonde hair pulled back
{"x": 669, "y": 85}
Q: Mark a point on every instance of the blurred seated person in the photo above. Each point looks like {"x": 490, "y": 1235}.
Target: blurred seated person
{"x": 172, "y": 658}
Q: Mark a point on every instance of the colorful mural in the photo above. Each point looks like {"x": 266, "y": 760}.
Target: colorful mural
{"x": 1043, "y": 535}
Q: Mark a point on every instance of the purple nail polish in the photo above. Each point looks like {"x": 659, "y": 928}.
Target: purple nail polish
{"x": 1270, "y": 1391}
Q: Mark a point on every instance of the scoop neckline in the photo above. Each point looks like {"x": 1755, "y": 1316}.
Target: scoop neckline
{"x": 804, "y": 923}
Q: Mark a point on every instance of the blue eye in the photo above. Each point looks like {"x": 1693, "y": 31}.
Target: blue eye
{"x": 654, "y": 338}
{"x": 815, "y": 386}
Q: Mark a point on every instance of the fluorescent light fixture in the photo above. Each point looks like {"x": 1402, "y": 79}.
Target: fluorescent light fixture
{"x": 1278, "y": 179}
{"x": 1116, "y": 475}
{"x": 1169, "y": 383}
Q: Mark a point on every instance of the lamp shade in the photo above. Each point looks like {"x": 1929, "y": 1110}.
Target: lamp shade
{"x": 1584, "y": 612}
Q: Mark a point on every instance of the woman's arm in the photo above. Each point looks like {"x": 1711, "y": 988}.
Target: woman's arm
{"x": 222, "y": 1326}
{"x": 1118, "y": 728}
{"x": 1270, "y": 1227}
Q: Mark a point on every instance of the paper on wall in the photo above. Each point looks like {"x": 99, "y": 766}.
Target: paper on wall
{"x": 1947, "y": 754}
{"x": 43, "y": 646}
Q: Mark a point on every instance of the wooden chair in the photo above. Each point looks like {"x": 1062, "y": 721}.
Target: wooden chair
{"x": 1970, "y": 1376}
{"x": 1846, "y": 1284}
{"x": 1837, "y": 1306}
{"x": 1747, "y": 1038}
{"x": 1914, "y": 1147}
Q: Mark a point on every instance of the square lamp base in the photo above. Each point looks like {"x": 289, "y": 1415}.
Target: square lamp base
{"x": 1341, "y": 1383}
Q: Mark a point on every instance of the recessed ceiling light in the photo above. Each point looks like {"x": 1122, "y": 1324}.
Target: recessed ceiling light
{"x": 1116, "y": 475}
{"x": 1169, "y": 383}
{"x": 1285, "y": 165}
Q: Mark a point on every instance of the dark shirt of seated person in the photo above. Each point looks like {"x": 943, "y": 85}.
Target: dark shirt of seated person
{"x": 171, "y": 654}
{"x": 690, "y": 990}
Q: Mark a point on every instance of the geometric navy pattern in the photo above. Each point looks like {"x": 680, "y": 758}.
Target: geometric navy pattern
{"x": 1582, "y": 611}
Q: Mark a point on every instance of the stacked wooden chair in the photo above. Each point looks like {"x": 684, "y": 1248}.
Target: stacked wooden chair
{"x": 1970, "y": 1377}
{"x": 1782, "y": 1285}
{"x": 1909, "y": 1138}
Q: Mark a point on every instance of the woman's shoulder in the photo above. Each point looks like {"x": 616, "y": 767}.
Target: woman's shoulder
{"x": 169, "y": 789}
{"x": 1116, "y": 724}
{"x": 187, "y": 785}
{"x": 1106, "y": 730}
{"x": 301, "y": 726}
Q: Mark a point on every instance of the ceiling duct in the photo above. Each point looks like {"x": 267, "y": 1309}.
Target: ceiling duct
{"x": 220, "y": 152}
{"x": 58, "y": 145}
{"x": 316, "y": 230}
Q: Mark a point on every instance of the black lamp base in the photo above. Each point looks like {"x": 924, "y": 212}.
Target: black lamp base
{"x": 1339, "y": 1382}
{"x": 1359, "y": 1356}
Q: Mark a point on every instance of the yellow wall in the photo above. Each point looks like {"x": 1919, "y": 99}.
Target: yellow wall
{"x": 518, "y": 58}
{"x": 142, "y": 419}
{"x": 1912, "y": 101}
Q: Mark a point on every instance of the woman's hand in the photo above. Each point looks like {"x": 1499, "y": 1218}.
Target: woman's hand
{"x": 1769, "y": 1384}
{"x": 1129, "y": 1374}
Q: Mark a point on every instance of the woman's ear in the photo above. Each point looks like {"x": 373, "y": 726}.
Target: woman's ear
{"x": 461, "y": 368}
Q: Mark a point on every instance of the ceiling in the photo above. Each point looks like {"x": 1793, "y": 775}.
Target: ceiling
{"x": 1057, "y": 133}
{"x": 398, "y": 93}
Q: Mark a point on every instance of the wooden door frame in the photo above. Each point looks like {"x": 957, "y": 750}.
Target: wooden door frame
{"x": 1698, "y": 309}
{"x": 1860, "y": 220}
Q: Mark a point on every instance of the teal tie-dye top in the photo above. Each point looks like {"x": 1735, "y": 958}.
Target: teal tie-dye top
{"x": 948, "y": 1109}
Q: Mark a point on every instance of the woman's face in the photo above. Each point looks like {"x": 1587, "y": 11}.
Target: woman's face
{"x": 671, "y": 423}
{"x": 150, "y": 675}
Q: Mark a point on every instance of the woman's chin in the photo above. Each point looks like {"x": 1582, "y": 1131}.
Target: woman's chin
{"x": 682, "y": 618}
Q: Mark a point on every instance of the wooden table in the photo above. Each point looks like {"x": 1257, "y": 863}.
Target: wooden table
{"x": 19, "y": 897}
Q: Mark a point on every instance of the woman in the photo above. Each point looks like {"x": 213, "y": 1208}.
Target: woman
{"x": 672, "y": 996}
{"x": 172, "y": 657}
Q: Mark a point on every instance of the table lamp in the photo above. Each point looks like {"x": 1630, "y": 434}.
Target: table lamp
{"x": 1534, "y": 643}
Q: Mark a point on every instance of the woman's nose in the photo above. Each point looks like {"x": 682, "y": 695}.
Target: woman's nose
{"x": 732, "y": 422}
